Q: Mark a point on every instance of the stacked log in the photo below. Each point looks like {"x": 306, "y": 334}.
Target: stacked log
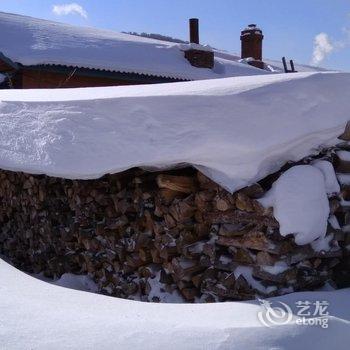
{"x": 168, "y": 236}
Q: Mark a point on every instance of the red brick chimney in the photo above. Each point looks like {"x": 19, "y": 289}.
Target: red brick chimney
{"x": 251, "y": 39}
{"x": 197, "y": 55}
{"x": 194, "y": 30}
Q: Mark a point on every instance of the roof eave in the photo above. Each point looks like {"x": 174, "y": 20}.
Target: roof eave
{"x": 102, "y": 73}
{"x": 6, "y": 64}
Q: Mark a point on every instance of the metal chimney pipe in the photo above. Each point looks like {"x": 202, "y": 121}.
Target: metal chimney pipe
{"x": 194, "y": 30}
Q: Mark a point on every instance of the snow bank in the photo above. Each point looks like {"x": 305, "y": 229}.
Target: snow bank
{"x": 38, "y": 315}
{"x": 235, "y": 130}
{"x": 69, "y": 280}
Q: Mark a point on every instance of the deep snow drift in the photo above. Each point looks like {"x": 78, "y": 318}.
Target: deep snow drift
{"x": 41, "y": 316}
{"x": 235, "y": 130}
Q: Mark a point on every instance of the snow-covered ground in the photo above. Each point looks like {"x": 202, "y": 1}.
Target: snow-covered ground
{"x": 38, "y": 315}
{"x": 235, "y": 130}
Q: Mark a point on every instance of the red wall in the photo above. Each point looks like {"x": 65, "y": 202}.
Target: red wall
{"x": 30, "y": 79}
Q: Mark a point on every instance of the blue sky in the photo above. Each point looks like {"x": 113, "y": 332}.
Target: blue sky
{"x": 299, "y": 29}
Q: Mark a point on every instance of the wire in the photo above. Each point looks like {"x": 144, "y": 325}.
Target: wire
{"x": 68, "y": 78}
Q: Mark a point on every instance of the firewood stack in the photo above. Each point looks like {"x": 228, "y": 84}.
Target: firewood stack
{"x": 169, "y": 236}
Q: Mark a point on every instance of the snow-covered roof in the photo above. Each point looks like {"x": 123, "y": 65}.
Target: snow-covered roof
{"x": 235, "y": 130}
{"x": 32, "y": 41}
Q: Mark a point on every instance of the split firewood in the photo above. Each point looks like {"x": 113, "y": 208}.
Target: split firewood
{"x": 232, "y": 230}
{"x": 346, "y": 134}
{"x": 206, "y": 183}
{"x": 168, "y": 195}
{"x": 182, "y": 210}
{"x": 181, "y": 184}
{"x": 265, "y": 259}
{"x": 242, "y": 256}
{"x": 189, "y": 293}
{"x": 237, "y": 216}
{"x": 156, "y": 258}
{"x": 342, "y": 166}
{"x": 224, "y": 201}
{"x": 183, "y": 232}
{"x": 252, "y": 240}
{"x": 184, "y": 269}
{"x": 203, "y": 200}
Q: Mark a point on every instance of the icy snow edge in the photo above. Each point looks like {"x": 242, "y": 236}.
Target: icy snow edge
{"x": 235, "y": 130}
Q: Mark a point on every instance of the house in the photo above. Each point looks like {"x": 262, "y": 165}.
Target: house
{"x": 36, "y": 53}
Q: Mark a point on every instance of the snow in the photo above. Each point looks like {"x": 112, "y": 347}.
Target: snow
{"x": 344, "y": 179}
{"x": 273, "y": 65}
{"x": 277, "y": 268}
{"x": 299, "y": 199}
{"x": 331, "y": 182}
{"x": 234, "y": 130}
{"x": 194, "y": 46}
{"x": 37, "y": 315}
{"x": 334, "y": 222}
{"x": 300, "y": 203}
{"x": 247, "y": 273}
{"x": 225, "y": 259}
{"x": 322, "y": 243}
{"x": 69, "y": 280}
{"x": 344, "y": 155}
{"x": 158, "y": 292}
{"x": 32, "y": 41}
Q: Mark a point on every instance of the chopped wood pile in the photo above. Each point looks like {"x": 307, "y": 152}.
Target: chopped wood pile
{"x": 169, "y": 236}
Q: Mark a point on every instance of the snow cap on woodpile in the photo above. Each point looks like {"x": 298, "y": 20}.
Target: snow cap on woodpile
{"x": 300, "y": 202}
{"x": 236, "y": 131}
